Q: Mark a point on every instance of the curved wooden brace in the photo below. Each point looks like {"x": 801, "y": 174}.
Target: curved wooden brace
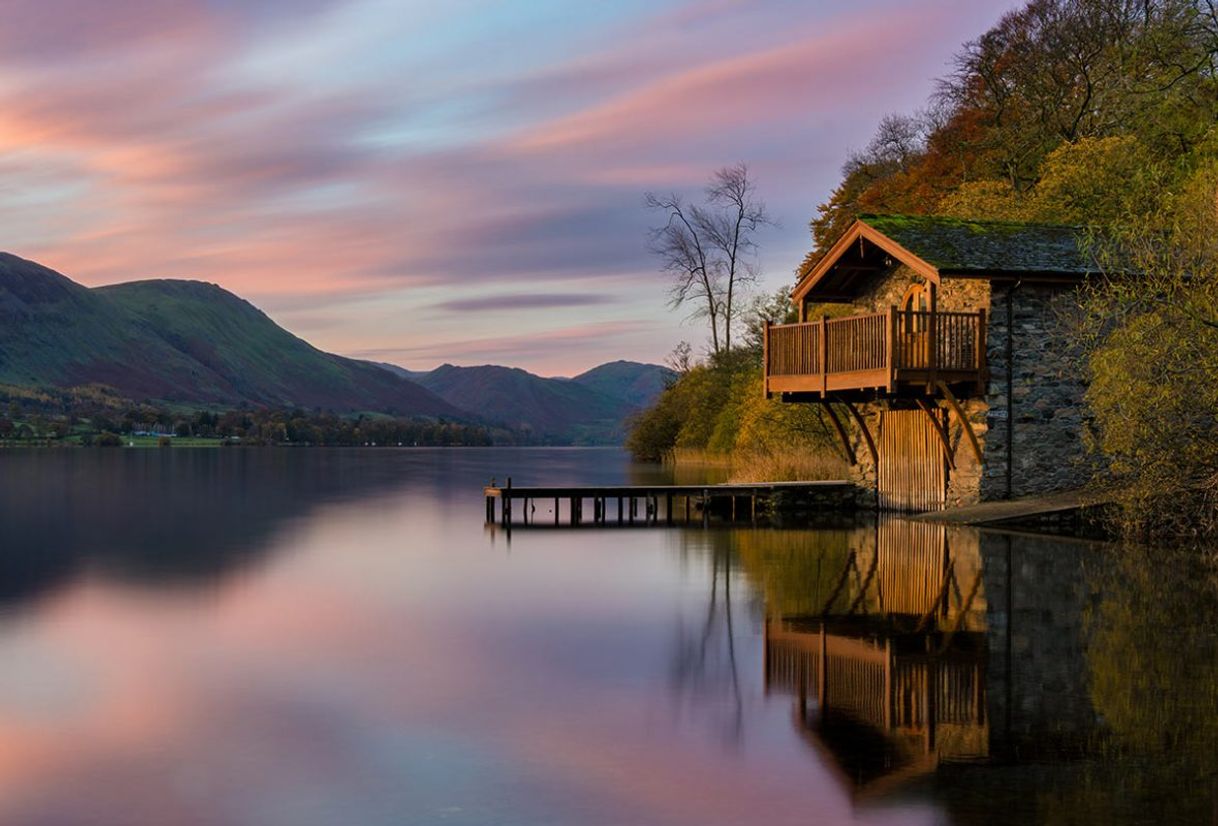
{"x": 875, "y": 562}
{"x": 862, "y": 423}
{"x": 841, "y": 583}
{"x": 841, "y": 431}
{"x": 964, "y": 422}
{"x": 929, "y": 410}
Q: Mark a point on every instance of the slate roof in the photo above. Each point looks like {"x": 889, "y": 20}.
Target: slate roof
{"x": 952, "y": 245}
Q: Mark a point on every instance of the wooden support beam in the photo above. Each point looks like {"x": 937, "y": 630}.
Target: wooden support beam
{"x": 765, "y": 358}
{"x": 841, "y": 431}
{"x": 823, "y": 344}
{"x": 932, "y": 413}
{"x": 862, "y": 423}
{"x": 965, "y": 424}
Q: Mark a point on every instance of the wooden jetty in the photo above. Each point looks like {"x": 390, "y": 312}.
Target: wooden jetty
{"x": 643, "y": 504}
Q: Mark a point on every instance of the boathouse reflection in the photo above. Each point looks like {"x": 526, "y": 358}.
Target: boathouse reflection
{"x": 897, "y": 640}
{"x": 889, "y": 672}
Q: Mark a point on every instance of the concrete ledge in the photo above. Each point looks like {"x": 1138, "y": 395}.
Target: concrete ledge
{"x": 1046, "y": 507}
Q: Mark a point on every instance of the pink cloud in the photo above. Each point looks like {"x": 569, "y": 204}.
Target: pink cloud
{"x": 161, "y": 154}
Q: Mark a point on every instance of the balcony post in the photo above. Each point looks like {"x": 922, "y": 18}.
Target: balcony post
{"x": 982, "y": 375}
{"x": 932, "y": 345}
{"x": 765, "y": 357}
{"x": 824, "y": 355}
{"x": 892, "y": 348}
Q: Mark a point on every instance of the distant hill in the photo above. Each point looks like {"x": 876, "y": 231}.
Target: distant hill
{"x": 179, "y": 341}
{"x": 412, "y": 375}
{"x": 550, "y": 410}
{"x": 637, "y": 384}
{"x": 591, "y": 408}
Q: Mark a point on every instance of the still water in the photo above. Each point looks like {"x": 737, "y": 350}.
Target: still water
{"x": 308, "y": 637}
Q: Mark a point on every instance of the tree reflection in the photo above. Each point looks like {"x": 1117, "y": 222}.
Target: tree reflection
{"x": 1153, "y": 666}
{"x": 704, "y": 661}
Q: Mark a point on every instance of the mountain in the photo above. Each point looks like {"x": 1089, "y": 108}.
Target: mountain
{"x": 402, "y": 372}
{"x": 591, "y": 408}
{"x": 552, "y": 410}
{"x": 637, "y": 384}
{"x": 179, "y": 341}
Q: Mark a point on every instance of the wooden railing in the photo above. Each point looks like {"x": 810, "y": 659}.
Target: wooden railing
{"x": 857, "y": 343}
{"x": 868, "y": 681}
{"x": 793, "y": 349}
{"x": 872, "y": 350}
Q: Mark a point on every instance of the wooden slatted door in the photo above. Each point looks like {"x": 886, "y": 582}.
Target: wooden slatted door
{"x": 913, "y": 470}
{"x": 913, "y": 559}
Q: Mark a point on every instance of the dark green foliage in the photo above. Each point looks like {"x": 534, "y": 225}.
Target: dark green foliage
{"x": 67, "y": 420}
{"x": 719, "y": 408}
{"x": 178, "y": 341}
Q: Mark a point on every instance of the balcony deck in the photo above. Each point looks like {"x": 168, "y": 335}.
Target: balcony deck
{"x": 891, "y": 353}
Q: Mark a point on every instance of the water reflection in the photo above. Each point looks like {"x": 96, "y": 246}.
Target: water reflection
{"x": 188, "y": 517}
{"x": 1011, "y": 678}
{"x": 878, "y": 634}
{"x": 363, "y": 653}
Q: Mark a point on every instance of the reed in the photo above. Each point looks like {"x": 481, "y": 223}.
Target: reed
{"x": 758, "y": 465}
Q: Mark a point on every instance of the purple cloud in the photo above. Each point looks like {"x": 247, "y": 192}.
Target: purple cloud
{"x": 524, "y": 301}
{"x": 314, "y": 157}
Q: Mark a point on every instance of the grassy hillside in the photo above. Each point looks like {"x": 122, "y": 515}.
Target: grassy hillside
{"x": 634, "y": 383}
{"x": 54, "y": 332}
{"x": 554, "y": 410}
{"x": 179, "y": 341}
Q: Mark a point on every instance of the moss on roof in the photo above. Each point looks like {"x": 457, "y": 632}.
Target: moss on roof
{"x": 956, "y": 245}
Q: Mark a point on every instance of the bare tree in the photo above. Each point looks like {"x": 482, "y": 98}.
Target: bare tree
{"x": 733, "y": 222}
{"x": 681, "y": 359}
{"x": 710, "y": 249}
{"x": 684, "y": 254}
{"x": 899, "y": 142}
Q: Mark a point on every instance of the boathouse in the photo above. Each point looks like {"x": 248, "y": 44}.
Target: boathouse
{"x": 937, "y": 349}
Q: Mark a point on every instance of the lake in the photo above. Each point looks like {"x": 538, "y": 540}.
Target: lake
{"x": 316, "y": 636}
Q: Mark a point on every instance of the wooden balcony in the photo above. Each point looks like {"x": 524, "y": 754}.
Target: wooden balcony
{"x": 890, "y": 353}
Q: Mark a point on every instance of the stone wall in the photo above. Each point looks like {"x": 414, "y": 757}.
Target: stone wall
{"x": 1047, "y": 390}
{"x": 1037, "y": 594}
{"x": 880, "y": 292}
{"x": 1046, "y": 414}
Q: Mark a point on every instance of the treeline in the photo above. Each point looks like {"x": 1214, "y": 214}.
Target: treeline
{"x": 95, "y": 416}
{"x": 277, "y": 427}
{"x": 716, "y": 412}
{"x": 1101, "y": 113}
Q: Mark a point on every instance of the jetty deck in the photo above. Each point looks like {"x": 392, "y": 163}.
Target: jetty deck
{"x": 1023, "y": 509}
{"x": 642, "y": 504}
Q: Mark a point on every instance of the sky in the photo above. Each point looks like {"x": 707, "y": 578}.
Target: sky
{"x": 424, "y": 182}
